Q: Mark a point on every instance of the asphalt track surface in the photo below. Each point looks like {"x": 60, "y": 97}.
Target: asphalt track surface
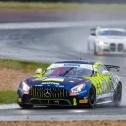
{"x": 63, "y": 114}
{"x": 51, "y": 42}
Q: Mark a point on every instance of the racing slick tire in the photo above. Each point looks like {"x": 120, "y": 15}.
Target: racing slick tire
{"x": 26, "y": 106}
{"x": 92, "y": 97}
{"x": 95, "y": 52}
{"x": 117, "y": 95}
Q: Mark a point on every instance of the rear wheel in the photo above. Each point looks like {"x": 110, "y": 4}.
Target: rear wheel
{"x": 92, "y": 98}
{"x": 117, "y": 95}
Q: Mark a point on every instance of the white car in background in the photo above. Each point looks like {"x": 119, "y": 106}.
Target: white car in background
{"x": 107, "y": 41}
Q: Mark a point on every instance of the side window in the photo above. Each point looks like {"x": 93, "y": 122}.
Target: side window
{"x": 101, "y": 69}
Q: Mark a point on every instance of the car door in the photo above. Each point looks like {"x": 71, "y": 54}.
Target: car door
{"x": 104, "y": 76}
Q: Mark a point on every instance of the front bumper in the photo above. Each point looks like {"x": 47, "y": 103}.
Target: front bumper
{"x": 104, "y": 52}
{"x": 71, "y": 101}
{"x": 112, "y": 48}
{"x": 46, "y": 96}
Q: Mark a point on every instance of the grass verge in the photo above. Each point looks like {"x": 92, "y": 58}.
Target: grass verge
{"x": 22, "y": 65}
{"x": 7, "y": 97}
{"x": 53, "y": 6}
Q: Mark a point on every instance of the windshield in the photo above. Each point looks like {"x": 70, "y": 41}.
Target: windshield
{"x": 112, "y": 33}
{"x": 69, "y": 71}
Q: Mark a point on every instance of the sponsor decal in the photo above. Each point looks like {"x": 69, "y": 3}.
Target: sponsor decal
{"x": 50, "y": 83}
{"x": 52, "y": 66}
{"x": 71, "y": 65}
{"x": 39, "y": 79}
{"x": 83, "y": 101}
{"x": 38, "y": 85}
{"x": 54, "y": 79}
{"x": 85, "y": 66}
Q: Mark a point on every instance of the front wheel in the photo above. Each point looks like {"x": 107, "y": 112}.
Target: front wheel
{"x": 92, "y": 98}
{"x": 117, "y": 95}
{"x": 95, "y": 51}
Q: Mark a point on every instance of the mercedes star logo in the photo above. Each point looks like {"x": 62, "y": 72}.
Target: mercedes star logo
{"x": 47, "y": 92}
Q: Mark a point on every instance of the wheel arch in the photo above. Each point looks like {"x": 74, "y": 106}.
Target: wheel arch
{"x": 92, "y": 86}
{"x": 119, "y": 83}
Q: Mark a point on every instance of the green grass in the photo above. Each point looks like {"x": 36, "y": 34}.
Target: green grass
{"x": 22, "y": 65}
{"x": 7, "y": 97}
{"x": 31, "y": 5}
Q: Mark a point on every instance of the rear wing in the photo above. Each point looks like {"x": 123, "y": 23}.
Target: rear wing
{"x": 110, "y": 67}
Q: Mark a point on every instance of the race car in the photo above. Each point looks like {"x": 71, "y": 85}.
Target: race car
{"x": 102, "y": 41}
{"x": 71, "y": 83}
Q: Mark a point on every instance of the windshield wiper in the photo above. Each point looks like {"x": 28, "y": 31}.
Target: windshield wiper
{"x": 63, "y": 74}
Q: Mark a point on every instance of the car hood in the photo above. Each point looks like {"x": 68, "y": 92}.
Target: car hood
{"x": 63, "y": 82}
{"x": 114, "y": 39}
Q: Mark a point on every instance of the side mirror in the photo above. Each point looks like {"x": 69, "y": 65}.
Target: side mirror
{"x": 38, "y": 71}
{"x": 105, "y": 72}
{"x": 93, "y": 31}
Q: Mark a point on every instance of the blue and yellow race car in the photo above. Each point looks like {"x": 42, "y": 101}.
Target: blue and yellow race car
{"x": 71, "y": 83}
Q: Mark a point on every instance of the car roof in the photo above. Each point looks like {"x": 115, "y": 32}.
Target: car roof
{"x": 117, "y": 29}
{"x": 77, "y": 61}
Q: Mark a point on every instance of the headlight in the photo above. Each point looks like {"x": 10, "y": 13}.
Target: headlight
{"x": 101, "y": 43}
{"x": 25, "y": 88}
{"x": 78, "y": 88}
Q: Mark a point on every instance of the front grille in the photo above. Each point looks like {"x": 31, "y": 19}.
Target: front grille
{"x": 113, "y": 47}
{"x": 49, "y": 93}
{"x": 120, "y": 47}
